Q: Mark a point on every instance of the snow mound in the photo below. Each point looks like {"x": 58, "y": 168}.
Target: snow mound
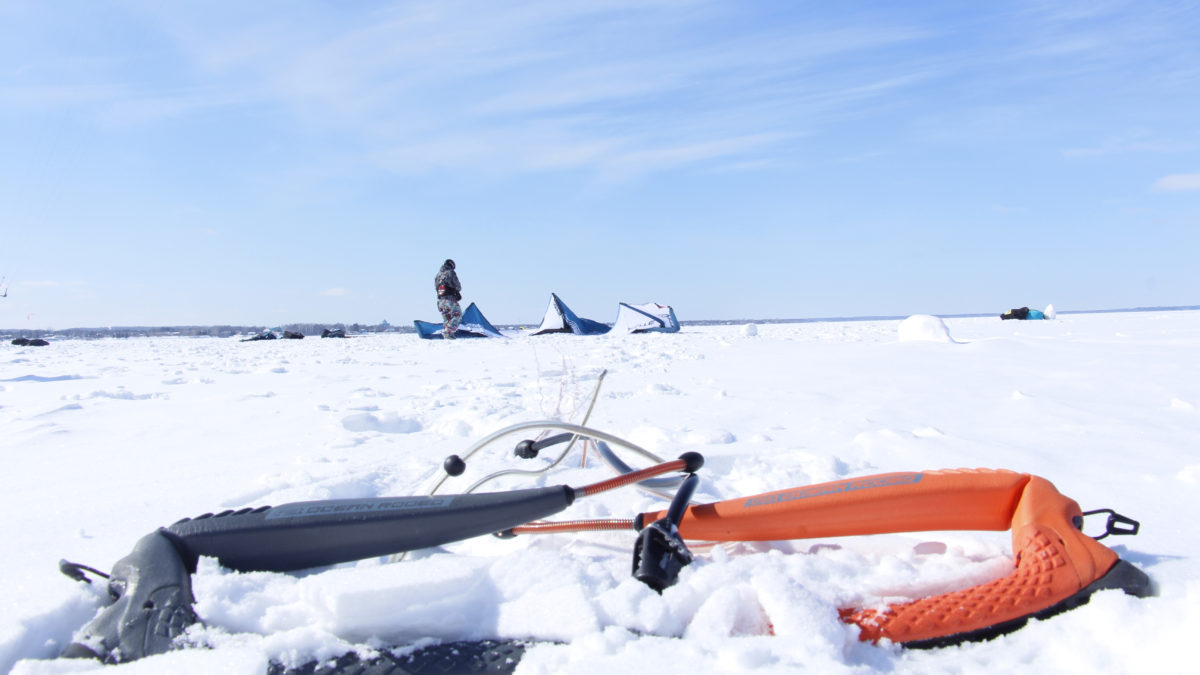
{"x": 924, "y": 328}
{"x": 388, "y": 423}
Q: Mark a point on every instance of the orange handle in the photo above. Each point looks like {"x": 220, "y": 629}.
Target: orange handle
{"x": 1053, "y": 558}
{"x": 966, "y": 499}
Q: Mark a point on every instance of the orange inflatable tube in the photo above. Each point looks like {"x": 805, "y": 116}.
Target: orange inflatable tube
{"x": 1056, "y": 566}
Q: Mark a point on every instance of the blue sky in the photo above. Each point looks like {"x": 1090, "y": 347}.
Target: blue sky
{"x": 170, "y": 163}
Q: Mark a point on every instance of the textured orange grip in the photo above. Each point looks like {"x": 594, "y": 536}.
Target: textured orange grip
{"x": 1043, "y": 577}
{"x": 1053, "y": 558}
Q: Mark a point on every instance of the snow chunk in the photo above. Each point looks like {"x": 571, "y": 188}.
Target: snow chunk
{"x": 924, "y": 328}
{"x": 709, "y": 437}
{"x": 1189, "y": 474}
{"x": 1180, "y": 404}
{"x": 388, "y": 423}
{"x": 650, "y": 437}
{"x": 121, "y": 394}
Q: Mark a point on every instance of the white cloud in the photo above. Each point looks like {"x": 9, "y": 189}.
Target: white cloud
{"x": 335, "y": 292}
{"x": 657, "y": 159}
{"x": 51, "y": 284}
{"x": 1178, "y": 182}
{"x": 51, "y": 96}
{"x": 1137, "y": 140}
{"x": 534, "y": 86}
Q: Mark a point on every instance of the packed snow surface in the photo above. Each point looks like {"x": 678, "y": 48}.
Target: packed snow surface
{"x": 104, "y": 441}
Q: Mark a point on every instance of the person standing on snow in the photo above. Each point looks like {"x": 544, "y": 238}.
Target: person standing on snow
{"x": 449, "y": 292}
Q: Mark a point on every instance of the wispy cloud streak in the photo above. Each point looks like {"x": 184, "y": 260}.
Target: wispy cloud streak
{"x": 601, "y": 86}
{"x": 1178, "y": 182}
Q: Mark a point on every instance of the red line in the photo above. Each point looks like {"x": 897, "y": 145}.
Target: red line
{"x": 544, "y": 527}
{"x": 634, "y": 477}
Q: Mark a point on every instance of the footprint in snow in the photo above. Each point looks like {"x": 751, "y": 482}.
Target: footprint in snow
{"x": 69, "y": 406}
{"x": 44, "y": 378}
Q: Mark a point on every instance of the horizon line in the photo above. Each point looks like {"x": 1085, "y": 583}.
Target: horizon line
{"x": 693, "y": 322}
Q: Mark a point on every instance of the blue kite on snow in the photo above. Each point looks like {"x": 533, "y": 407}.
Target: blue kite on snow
{"x": 650, "y": 317}
{"x": 473, "y": 325}
{"x": 560, "y": 319}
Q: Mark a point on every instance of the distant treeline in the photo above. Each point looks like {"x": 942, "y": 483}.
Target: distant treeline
{"x": 200, "y": 331}
{"x": 385, "y": 327}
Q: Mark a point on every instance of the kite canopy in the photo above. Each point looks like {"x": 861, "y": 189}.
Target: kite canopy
{"x": 473, "y": 324}
{"x": 1024, "y": 313}
{"x": 560, "y": 319}
{"x": 650, "y": 317}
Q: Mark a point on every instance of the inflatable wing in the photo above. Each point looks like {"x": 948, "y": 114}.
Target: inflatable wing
{"x": 473, "y": 324}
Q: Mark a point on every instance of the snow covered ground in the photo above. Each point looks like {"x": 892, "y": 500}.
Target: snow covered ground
{"x": 104, "y": 441}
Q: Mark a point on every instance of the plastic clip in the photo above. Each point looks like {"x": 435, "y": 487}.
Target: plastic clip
{"x": 660, "y": 552}
{"x": 1116, "y": 524}
{"x": 77, "y": 571}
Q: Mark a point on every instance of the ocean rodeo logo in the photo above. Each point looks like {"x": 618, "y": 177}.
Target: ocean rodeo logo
{"x": 834, "y": 488}
{"x": 311, "y": 509}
